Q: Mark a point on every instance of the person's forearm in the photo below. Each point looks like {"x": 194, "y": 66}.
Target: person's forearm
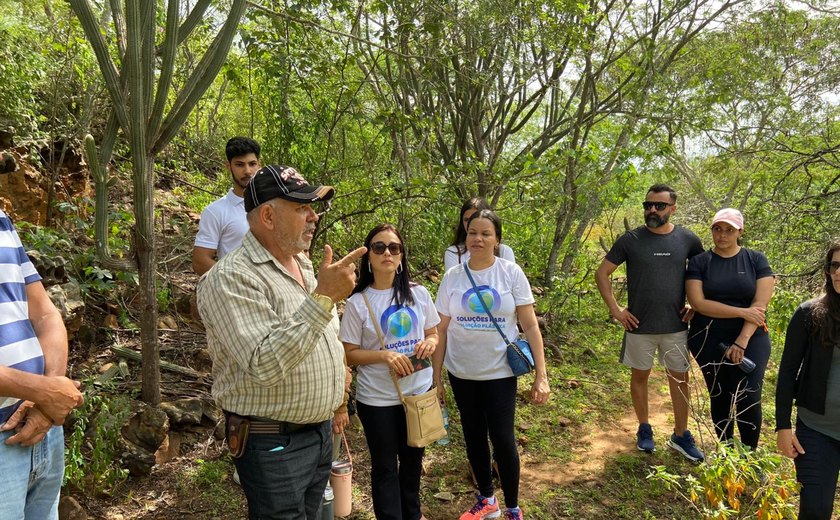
{"x": 22, "y": 385}
{"x": 602, "y": 281}
{"x": 535, "y": 340}
{"x": 52, "y": 335}
{"x": 201, "y": 265}
{"x": 361, "y": 356}
{"x": 714, "y": 309}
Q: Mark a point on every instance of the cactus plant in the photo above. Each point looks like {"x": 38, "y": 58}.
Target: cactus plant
{"x": 139, "y": 84}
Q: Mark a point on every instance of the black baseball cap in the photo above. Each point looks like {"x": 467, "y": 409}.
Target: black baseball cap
{"x": 280, "y": 181}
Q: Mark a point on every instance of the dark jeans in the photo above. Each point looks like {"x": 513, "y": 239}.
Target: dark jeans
{"x": 727, "y": 383}
{"x": 284, "y": 475}
{"x": 817, "y": 471}
{"x": 395, "y": 467}
{"x": 487, "y": 409}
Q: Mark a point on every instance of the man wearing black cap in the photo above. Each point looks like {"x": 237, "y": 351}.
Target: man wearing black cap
{"x": 272, "y": 332}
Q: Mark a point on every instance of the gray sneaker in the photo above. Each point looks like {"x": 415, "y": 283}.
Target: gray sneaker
{"x": 644, "y": 438}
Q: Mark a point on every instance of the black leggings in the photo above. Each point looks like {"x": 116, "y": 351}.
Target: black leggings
{"x": 727, "y": 382}
{"x": 487, "y": 408}
{"x": 395, "y": 466}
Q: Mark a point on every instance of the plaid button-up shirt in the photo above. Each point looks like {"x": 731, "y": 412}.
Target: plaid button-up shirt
{"x": 275, "y": 351}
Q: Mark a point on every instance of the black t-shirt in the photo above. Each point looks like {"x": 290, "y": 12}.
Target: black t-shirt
{"x": 731, "y": 281}
{"x": 655, "y": 275}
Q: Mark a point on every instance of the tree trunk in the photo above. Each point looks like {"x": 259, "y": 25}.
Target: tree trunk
{"x": 145, "y": 248}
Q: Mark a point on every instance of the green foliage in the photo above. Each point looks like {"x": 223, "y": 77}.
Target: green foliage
{"x": 92, "y": 448}
{"x": 211, "y": 479}
{"x": 736, "y": 482}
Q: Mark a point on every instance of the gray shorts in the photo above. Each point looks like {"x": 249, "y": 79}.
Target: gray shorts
{"x": 638, "y": 350}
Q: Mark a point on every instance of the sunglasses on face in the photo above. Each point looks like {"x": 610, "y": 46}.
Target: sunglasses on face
{"x": 658, "y": 205}
{"x": 378, "y": 248}
{"x": 832, "y": 267}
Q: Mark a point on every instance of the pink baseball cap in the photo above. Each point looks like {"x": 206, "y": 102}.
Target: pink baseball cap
{"x": 731, "y": 216}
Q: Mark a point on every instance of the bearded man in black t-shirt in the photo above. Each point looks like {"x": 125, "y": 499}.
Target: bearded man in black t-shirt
{"x": 655, "y": 318}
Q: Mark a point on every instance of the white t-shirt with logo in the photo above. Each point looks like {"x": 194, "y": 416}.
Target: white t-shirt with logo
{"x": 402, "y": 327}
{"x": 451, "y": 257}
{"x": 474, "y": 348}
{"x": 223, "y": 224}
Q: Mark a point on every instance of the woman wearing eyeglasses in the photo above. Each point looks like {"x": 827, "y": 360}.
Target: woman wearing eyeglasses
{"x": 473, "y": 352}
{"x": 406, "y": 317}
{"x": 458, "y": 252}
{"x": 729, "y": 288}
{"x": 810, "y": 373}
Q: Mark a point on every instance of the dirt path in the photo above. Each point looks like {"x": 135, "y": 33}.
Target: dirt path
{"x": 599, "y": 446}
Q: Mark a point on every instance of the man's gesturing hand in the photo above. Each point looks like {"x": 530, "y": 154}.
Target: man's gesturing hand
{"x": 337, "y": 279}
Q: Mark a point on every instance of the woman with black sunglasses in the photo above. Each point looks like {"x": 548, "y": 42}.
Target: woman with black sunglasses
{"x": 729, "y": 287}
{"x": 386, "y": 302}
{"x": 810, "y": 373}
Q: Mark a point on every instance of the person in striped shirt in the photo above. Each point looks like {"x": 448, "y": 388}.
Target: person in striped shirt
{"x": 35, "y": 396}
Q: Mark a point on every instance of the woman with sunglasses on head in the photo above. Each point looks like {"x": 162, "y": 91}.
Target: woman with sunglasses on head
{"x": 386, "y": 302}
{"x": 810, "y": 373}
{"x": 729, "y": 287}
{"x": 457, "y": 252}
{"x": 473, "y": 352}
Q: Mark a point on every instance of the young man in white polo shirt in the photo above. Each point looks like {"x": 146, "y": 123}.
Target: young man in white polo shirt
{"x": 223, "y": 222}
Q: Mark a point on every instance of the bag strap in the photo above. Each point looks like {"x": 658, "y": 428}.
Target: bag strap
{"x": 484, "y": 305}
{"x": 347, "y": 447}
{"x": 382, "y": 343}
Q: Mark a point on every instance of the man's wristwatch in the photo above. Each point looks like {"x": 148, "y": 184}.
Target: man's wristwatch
{"x": 323, "y": 301}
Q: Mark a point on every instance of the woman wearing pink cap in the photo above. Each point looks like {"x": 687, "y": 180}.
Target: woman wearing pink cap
{"x": 729, "y": 288}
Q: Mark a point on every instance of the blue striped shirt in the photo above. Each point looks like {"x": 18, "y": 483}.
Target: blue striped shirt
{"x": 19, "y": 347}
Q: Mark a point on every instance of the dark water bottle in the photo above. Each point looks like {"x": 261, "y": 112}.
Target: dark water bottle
{"x": 746, "y": 365}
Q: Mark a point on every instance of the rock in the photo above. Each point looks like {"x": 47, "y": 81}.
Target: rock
{"x": 167, "y": 322}
{"x": 7, "y": 138}
{"x": 147, "y": 428}
{"x": 110, "y": 322}
{"x": 137, "y": 461}
{"x": 219, "y": 431}
{"x": 104, "y": 368}
{"x": 574, "y": 384}
{"x": 445, "y": 496}
{"x": 70, "y": 509}
{"x": 170, "y": 448}
{"x": 564, "y": 422}
{"x": 68, "y": 299}
{"x": 182, "y": 304}
{"x": 53, "y": 269}
{"x": 8, "y": 164}
{"x": 203, "y": 361}
{"x": 184, "y": 412}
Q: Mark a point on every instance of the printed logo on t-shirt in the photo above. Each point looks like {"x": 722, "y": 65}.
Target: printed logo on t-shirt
{"x": 471, "y": 304}
{"x": 398, "y": 322}
{"x": 666, "y": 253}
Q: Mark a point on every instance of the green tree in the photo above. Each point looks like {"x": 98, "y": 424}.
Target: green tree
{"x": 138, "y": 71}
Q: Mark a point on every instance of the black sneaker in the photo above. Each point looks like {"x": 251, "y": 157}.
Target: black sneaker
{"x": 644, "y": 438}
